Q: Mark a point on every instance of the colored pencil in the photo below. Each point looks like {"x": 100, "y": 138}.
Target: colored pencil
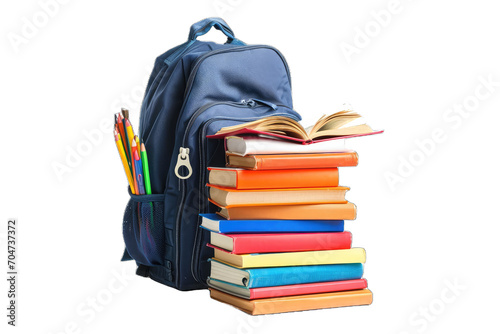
{"x": 123, "y": 134}
{"x": 119, "y": 145}
{"x": 138, "y": 143}
{"x": 125, "y": 113}
{"x": 138, "y": 168}
{"x": 145, "y": 168}
{"x": 130, "y": 135}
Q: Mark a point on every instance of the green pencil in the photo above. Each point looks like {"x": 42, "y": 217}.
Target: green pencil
{"x": 145, "y": 168}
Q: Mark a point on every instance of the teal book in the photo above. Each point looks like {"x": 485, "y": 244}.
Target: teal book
{"x": 276, "y": 276}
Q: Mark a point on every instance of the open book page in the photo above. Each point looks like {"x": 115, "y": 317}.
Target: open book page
{"x": 342, "y": 123}
{"x": 274, "y": 124}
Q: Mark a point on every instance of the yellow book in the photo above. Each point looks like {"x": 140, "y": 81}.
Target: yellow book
{"x": 352, "y": 255}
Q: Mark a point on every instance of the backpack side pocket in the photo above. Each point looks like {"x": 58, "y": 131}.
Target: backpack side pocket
{"x": 143, "y": 229}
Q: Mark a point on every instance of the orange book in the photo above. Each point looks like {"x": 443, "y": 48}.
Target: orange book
{"x": 295, "y": 303}
{"x": 272, "y": 179}
{"x": 293, "y": 161}
{"x": 337, "y": 211}
{"x": 230, "y": 196}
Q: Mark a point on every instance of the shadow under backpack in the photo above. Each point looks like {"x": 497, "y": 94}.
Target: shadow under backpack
{"x": 195, "y": 89}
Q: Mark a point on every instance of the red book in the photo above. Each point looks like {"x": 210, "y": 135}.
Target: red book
{"x": 280, "y": 242}
{"x": 287, "y": 290}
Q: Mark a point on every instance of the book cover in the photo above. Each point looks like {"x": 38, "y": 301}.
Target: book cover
{"x": 276, "y": 276}
{"x": 295, "y": 303}
{"x": 216, "y": 223}
{"x": 337, "y": 256}
{"x": 309, "y": 161}
{"x": 249, "y": 145}
{"x": 241, "y": 197}
{"x": 272, "y": 178}
{"x": 336, "y": 211}
{"x": 280, "y": 242}
{"x": 286, "y": 290}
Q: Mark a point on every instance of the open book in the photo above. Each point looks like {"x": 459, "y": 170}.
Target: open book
{"x": 338, "y": 125}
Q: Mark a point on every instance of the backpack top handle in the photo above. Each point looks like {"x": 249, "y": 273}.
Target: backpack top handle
{"x": 201, "y": 28}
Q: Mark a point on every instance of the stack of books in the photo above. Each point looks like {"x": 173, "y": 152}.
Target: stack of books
{"x": 278, "y": 234}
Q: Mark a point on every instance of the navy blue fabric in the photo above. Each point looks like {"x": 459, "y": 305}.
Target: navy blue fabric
{"x": 193, "y": 96}
{"x": 202, "y": 27}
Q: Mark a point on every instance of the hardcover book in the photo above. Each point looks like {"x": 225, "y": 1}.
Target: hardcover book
{"x": 290, "y": 162}
{"x": 216, "y": 223}
{"x": 286, "y": 290}
{"x": 295, "y": 303}
{"x": 337, "y": 211}
{"x": 251, "y": 145}
{"x": 337, "y": 256}
{"x": 271, "y": 179}
{"x": 280, "y": 242}
{"x": 230, "y": 196}
{"x": 275, "y": 276}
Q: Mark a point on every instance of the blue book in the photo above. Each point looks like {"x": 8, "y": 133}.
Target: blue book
{"x": 216, "y": 223}
{"x": 276, "y": 276}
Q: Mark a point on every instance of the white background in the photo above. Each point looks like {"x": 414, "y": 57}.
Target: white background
{"x": 435, "y": 226}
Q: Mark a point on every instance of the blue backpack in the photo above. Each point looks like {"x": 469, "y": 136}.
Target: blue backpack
{"x": 195, "y": 89}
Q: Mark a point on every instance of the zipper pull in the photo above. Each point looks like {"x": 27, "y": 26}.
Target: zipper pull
{"x": 269, "y": 104}
{"x": 249, "y": 103}
{"x": 183, "y": 160}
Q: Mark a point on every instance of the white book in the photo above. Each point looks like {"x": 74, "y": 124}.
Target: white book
{"x": 260, "y": 145}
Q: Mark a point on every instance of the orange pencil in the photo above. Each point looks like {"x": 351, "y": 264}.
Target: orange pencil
{"x": 121, "y": 129}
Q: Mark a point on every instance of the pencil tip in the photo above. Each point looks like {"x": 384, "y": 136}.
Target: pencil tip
{"x": 143, "y": 148}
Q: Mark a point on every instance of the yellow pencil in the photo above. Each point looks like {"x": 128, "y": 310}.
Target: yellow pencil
{"x": 119, "y": 145}
{"x": 130, "y": 132}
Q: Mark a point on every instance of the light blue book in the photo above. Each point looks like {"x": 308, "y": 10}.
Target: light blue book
{"x": 275, "y": 276}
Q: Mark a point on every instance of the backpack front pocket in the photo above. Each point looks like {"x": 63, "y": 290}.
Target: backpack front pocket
{"x": 143, "y": 228}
